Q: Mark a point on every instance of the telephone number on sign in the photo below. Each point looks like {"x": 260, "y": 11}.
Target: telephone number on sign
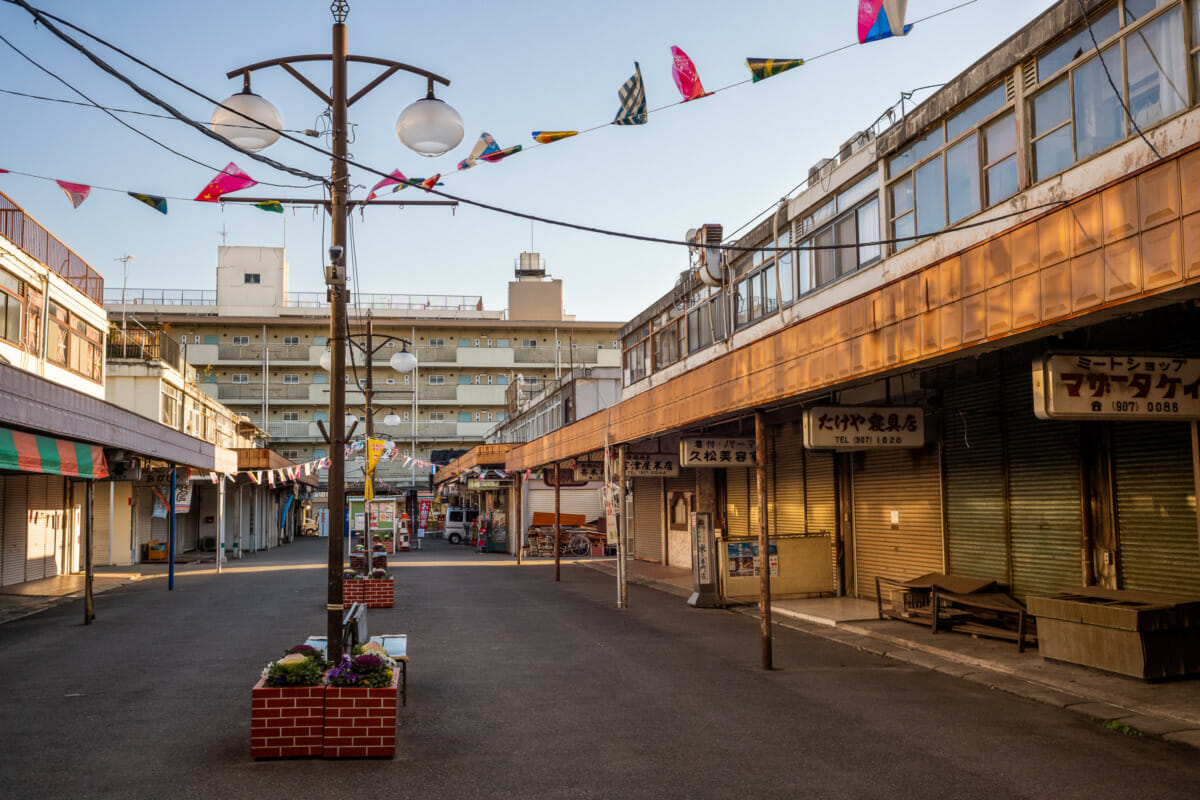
{"x": 878, "y": 440}
{"x": 1152, "y": 407}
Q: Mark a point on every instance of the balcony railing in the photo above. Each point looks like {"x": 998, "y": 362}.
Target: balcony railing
{"x": 292, "y": 430}
{"x": 437, "y": 392}
{"x": 432, "y": 355}
{"x": 254, "y": 391}
{"x": 255, "y": 352}
{"x": 395, "y": 302}
{"x": 23, "y": 231}
{"x": 144, "y": 345}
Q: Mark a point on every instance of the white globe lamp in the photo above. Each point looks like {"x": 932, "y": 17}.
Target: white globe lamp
{"x": 391, "y": 419}
{"x": 403, "y": 361}
{"x": 260, "y": 131}
{"x": 430, "y": 127}
{"x": 326, "y": 360}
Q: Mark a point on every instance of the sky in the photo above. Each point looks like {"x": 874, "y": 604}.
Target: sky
{"x": 514, "y": 68}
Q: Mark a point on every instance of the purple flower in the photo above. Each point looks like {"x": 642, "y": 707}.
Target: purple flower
{"x": 366, "y": 663}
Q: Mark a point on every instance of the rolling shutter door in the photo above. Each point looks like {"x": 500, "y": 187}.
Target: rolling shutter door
{"x": 647, "y": 519}
{"x": 787, "y": 483}
{"x": 741, "y": 503}
{"x": 40, "y": 531}
{"x": 1044, "y": 495}
{"x": 976, "y": 534}
{"x": 820, "y": 493}
{"x": 571, "y": 501}
{"x": 908, "y": 482}
{"x": 101, "y": 535}
{"x": 16, "y": 524}
{"x": 1152, "y": 484}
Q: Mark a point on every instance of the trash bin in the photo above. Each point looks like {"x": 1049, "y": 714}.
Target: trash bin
{"x": 1141, "y": 634}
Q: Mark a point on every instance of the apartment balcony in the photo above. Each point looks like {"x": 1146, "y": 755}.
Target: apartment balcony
{"x": 247, "y": 392}
{"x": 272, "y": 352}
{"x": 294, "y": 431}
{"x": 437, "y": 393}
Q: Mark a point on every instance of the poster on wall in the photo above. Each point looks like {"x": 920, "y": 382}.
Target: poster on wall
{"x": 744, "y": 559}
{"x": 183, "y": 499}
{"x": 160, "y": 505}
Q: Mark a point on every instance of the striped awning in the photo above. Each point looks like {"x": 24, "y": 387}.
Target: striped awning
{"x": 29, "y": 452}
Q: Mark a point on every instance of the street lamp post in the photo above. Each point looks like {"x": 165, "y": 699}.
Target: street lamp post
{"x": 429, "y": 127}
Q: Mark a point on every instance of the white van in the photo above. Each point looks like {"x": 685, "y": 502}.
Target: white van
{"x": 458, "y": 524}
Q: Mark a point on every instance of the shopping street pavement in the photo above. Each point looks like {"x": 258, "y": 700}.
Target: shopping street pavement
{"x": 523, "y": 687}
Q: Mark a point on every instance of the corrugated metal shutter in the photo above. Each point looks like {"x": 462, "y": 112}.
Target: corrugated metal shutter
{"x": 647, "y": 519}
{"x": 16, "y": 524}
{"x": 973, "y": 450}
{"x": 1153, "y": 484}
{"x": 101, "y": 535}
{"x": 820, "y": 493}
{"x": 787, "y": 481}
{"x": 40, "y": 531}
{"x": 573, "y": 501}
{"x": 1044, "y": 495}
{"x": 908, "y": 482}
{"x": 741, "y": 503}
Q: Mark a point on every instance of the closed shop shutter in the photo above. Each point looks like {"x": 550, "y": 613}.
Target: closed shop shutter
{"x": 820, "y": 506}
{"x": 571, "y": 501}
{"x": 101, "y": 535}
{"x": 907, "y": 482}
{"x": 1153, "y": 484}
{"x": 741, "y": 503}
{"x": 16, "y": 524}
{"x": 787, "y": 481}
{"x": 40, "y": 532}
{"x": 973, "y": 451}
{"x": 647, "y": 519}
{"x": 1044, "y": 495}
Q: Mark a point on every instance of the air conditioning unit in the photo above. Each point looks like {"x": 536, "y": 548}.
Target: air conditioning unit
{"x": 821, "y": 170}
{"x": 706, "y": 244}
{"x": 855, "y": 143}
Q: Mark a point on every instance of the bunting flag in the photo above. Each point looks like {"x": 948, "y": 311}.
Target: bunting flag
{"x": 546, "y": 137}
{"x": 502, "y": 473}
{"x": 270, "y": 477}
{"x": 686, "y": 78}
{"x": 255, "y": 476}
{"x": 270, "y": 205}
{"x": 214, "y": 477}
{"x": 485, "y": 145}
{"x": 881, "y": 19}
{"x": 431, "y": 182}
{"x": 230, "y": 179}
{"x": 500, "y": 155}
{"x": 632, "y": 95}
{"x": 763, "y": 68}
{"x": 159, "y": 204}
{"x": 76, "y": 192}
{"x": 394, "y": 177}
{"x": 231, "y": 477}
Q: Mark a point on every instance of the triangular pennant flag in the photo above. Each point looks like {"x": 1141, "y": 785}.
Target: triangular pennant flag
{"x": 485, "y": 145}
{"x": 685, "y": 75}
{"x": 763, "y": 68}
{"x": 881, "y": 19}
{"x": 431, "y": 182}
{"x": 395, "y": 176}
{"x": 270, "y": 477}
{"x": 500, "y": 155}
{"x": 270, "y": 205}
{"x": 76, "y": 192}
{"x": 232, "y": 478}
{"x": 633, "y": 100}
{"x": 546, "y": 137}
{"x": 159, "y": 204}
{"x": 230, "y": 179}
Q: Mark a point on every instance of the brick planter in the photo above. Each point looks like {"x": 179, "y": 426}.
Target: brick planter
{"x": 361, "y": 723}
{"x": 389, "y": 545}
{"x": 352, "y": 590}
{"x": 287, "y": 721}
{"x": 378, "y": 592}
{"x": 358, "y": 561}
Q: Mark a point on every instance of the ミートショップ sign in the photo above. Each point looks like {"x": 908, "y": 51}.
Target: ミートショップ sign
{"x": 1107, "y": 386}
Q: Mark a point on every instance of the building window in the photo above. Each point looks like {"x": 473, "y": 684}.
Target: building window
{"x": 705, "y": 319}
{"x": 241, "y": 340}
{"x": 489, "y": 416}
{"x": 291, "y": 377}
{"x": 291, "y": 455}
{"x": 391, "y": 381}
{"x": 464, "y": 380}
{"x": 253, "y": 277}
{"x": 1077, "y": 114}
{"x": 240, "y": 377}
{"x": 11, "y": 307}
{"x": 406, "y": 380}
{"x": 616, "y": 345}
{"x": 172, "y": 402}
{"x": 320, "y": 377}
{"x": 529, "y": 343}
{"x": 636, "y": 356}
{"x": 600, "y": 347}
{"x": 464, "y": 416}
{"x": 502, "y": 343}
{"x": 437, "y": 342}
{"x": 669, "y": 342}
{"x": 405, "y": 416}
{"x": 502, "y": 380}
{"x": 437, "y": 380}
{"x": 291, "y": 340}
{"x": 437, "y": 416}
{"x": 291, "y": 416}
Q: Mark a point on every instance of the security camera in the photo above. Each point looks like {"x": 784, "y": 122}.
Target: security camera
{"x": 335, "y": 254}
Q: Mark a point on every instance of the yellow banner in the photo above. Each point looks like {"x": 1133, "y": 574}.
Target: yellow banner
{"x": 374, "y": 452}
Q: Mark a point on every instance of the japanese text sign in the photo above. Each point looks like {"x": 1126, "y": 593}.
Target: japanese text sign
{"x": 697, "y": 451}
{"x": 1106, "y": 386}
{"x": 863, "y": 427}
{"x": 637, "y": 465}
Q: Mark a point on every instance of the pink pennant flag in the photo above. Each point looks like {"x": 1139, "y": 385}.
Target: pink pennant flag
{"x": 214, "y": 477}
{"x": 76, "y": 192}
{"x": 684, "y": 73}
{"x": 396, "y": 176}
{"x": 230, "y": 179}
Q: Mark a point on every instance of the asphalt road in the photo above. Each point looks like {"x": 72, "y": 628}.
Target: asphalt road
{"x": 521, "y": 687}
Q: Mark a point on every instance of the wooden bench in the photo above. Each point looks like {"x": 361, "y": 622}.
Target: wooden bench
{"x": 966, "y": 605}
{"x": 998, "y": 604}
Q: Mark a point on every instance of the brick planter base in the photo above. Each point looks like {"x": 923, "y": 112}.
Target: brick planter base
{"x": 288, "y": 721}
{"x": 358, "y": 561}
{"x": 389, "y": 545}
{"x": 361, "y": 723}
{"x": 352, "y": 590}
{"x": 379, "y": 592}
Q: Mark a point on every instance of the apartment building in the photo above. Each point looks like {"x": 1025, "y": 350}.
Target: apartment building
{"x": 257, "y": 347}
{"x": 969, "y": 343}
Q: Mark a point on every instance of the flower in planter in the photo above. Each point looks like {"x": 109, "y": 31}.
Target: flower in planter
{"x": 369, "y": 670}
{"x": 358, "y": 548}
{"x": 302, "y": 666}
{"x": 379, "y": 574}
{"x": 350, "y": 575}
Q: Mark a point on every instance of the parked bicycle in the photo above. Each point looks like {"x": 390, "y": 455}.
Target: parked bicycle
{"x": 576, "y": 544}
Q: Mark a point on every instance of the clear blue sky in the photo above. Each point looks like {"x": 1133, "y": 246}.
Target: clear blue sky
{"x": 515, "y": 67}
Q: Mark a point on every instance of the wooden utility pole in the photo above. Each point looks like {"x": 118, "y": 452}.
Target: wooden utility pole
{"x": 622, "y": 532}
{"x": 89, "y": 607}
{"x": 516, "y": 524}
{"x": 764, "y": 559}
{"x": 557, "y": 510}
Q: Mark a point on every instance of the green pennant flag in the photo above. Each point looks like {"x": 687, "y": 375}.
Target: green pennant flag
{"x": 159, "y": 204}
{"x": 270, "y": 205}
{"x": 763, "y": 68}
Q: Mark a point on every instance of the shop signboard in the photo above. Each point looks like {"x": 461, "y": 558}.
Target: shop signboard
{"x": 706, "y": 593}
{"x": 480, "y": 485}
{"x": 637, "y": 465}
{"x": 1098, "y": 386}
{"x": 697, "y": 451}
{"x": 863, "y": 427}
{"x": 183, "y": 498}
{"x": 423, "y": 517}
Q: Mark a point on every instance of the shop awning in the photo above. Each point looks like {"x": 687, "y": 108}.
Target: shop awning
{"x": 29, "y": 452}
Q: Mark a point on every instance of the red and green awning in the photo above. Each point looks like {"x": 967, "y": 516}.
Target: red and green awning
{"x": 29, "y": 452}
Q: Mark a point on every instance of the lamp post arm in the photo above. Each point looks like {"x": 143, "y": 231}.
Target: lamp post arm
{"x": 287, "y": 61}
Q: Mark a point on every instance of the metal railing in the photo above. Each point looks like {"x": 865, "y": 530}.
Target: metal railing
{"x": 438, "y": 392}
{"x": 159, "y": 297}
{"x": 254, "y": 391}
{"x": 255, "y": 352}
{"x": 144, "y": 345}
{"x": 292, "y": 430}
{"x": 395, "y": 302}
{"x": 25, "y": 232}
{"x": 434, "y": 355}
